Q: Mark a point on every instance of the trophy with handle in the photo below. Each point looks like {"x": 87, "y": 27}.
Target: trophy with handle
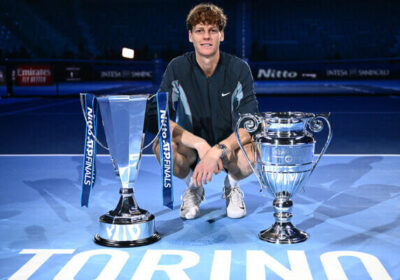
{"x": 123, "y": 120}
{"x": 284, "y": 152}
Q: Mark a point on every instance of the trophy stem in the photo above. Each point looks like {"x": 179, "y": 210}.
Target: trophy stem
{"x": 283, "y": 231}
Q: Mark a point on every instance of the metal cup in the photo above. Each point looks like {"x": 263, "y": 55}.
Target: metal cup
{"x": 123, "y": 120}
{"x": 284, "y": 151}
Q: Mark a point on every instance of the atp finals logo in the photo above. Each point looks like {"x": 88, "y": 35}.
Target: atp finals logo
{"x": 186, "y": 264}
{"x": 89, "y": 148}
{"x": 166, "y": 149}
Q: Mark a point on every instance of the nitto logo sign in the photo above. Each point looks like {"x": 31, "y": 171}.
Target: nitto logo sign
{"x": 270, "y": 73}
{"x": 186, "y": 264}
{"x": 34, "y": 76}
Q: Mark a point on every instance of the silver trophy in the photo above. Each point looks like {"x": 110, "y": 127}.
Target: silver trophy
{"x": 284, "y": 151}
{"x": 123, "y": 120}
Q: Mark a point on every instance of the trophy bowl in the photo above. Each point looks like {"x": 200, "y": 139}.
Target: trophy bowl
{"x": 284, "y": 151}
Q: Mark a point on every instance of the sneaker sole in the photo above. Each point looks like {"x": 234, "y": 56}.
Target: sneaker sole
{"x": 236, "y": 216}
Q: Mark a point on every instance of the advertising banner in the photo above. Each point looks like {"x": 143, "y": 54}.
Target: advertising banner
{"x": 72, "y": 73}
{"x": 140, "y": 71}
{"x": 34, "y": 75}
{"x": 354, "y": 70}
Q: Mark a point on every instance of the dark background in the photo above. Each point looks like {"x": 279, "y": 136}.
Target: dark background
{"x": 339, "y": 56}
{"x": 285, "y": 30}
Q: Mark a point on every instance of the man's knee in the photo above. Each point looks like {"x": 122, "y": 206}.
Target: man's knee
{"x": 181, "y": 167}
{"x": 243, "y": 163}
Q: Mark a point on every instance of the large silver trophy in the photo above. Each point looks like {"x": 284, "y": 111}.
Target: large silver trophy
{"x": 284, "y": 151}
{"x": 123, "y": 120}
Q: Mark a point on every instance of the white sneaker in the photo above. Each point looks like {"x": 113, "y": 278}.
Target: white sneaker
{"x": 191, "y": 200}
{"x": 235, "y": 207}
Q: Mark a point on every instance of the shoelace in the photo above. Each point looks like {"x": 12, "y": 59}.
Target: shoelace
{"x": 192, "y": 197}
{"x": 235, "y": 193}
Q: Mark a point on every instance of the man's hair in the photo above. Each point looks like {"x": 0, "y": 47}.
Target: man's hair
{"x": 206, "y": 13}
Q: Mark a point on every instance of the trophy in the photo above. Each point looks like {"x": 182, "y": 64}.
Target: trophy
{"x": 123, "y": 119}
{"x": 283, "y": 154}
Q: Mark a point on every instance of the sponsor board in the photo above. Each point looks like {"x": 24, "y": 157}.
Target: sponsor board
{"x": 187, "y": 264}
{"x": 34, "y": 75}
{"x": 275, "y": 73}
{"x": 125, "y": 75}
{"x": 325, "y": 70}
{"x": 72, "y": 73}
{"x": 358, "y": 73}
{"x": 124, "y": 72}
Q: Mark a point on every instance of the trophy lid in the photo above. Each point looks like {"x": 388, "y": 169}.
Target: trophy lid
{"x": 286, "y": 117}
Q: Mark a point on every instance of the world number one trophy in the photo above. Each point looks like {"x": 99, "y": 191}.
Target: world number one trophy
{"x": 284, "y": 151}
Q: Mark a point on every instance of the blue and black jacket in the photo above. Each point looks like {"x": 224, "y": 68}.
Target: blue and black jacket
{"x": 209, "y": 107}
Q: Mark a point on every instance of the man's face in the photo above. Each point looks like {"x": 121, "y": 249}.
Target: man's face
{"x": 206, "y": 39}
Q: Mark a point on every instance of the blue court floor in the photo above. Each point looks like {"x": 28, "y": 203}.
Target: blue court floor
{"x": 351, "y": 209}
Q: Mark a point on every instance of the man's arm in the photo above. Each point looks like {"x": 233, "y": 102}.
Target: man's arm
{"x": 207, "y": 166}
{"x": 182, "y": 136}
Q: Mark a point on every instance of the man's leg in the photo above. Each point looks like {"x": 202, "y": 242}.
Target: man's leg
{"x": 237, "y": 164}
{"x": 238, "y": 168}
{"x": 183, "y": 158}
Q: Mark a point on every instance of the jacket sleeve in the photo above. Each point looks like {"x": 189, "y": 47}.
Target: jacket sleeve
{"x": 247, "y": 103}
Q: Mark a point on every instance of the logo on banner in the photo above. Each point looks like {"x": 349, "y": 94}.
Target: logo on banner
{"x": 34, "y": 75}
{"x": 73, "y": 74}
{"x": 87, "y": 179}
{"x": 276, "y": 74}
{"x": 358, "y": 73}
{"x": 166, "y": 148}
{"x": 165, "y": 144}
{"x": 124, "y": 74}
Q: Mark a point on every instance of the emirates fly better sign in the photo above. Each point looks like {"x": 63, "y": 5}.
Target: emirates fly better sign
{"x": 34, "y": 75}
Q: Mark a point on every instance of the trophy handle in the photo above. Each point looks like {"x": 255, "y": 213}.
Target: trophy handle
{"x": 316, "y": 125}
{"x": 251, "y": 125}
{"x": 98, "y": 141}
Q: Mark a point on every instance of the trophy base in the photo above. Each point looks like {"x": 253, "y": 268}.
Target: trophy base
{"x": 127, "y": 230}
{"x": 129, "y": 243}
{"x": 283, "y": 233}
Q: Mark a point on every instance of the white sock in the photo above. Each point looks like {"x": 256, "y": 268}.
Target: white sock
{"x": 188, "y": 179}
{"x": 230, "y": 182}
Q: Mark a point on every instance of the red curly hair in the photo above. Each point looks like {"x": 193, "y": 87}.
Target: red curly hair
{"x": 206, "y": 13}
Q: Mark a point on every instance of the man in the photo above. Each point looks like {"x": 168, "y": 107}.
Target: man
{"x": 211, "y": 88}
